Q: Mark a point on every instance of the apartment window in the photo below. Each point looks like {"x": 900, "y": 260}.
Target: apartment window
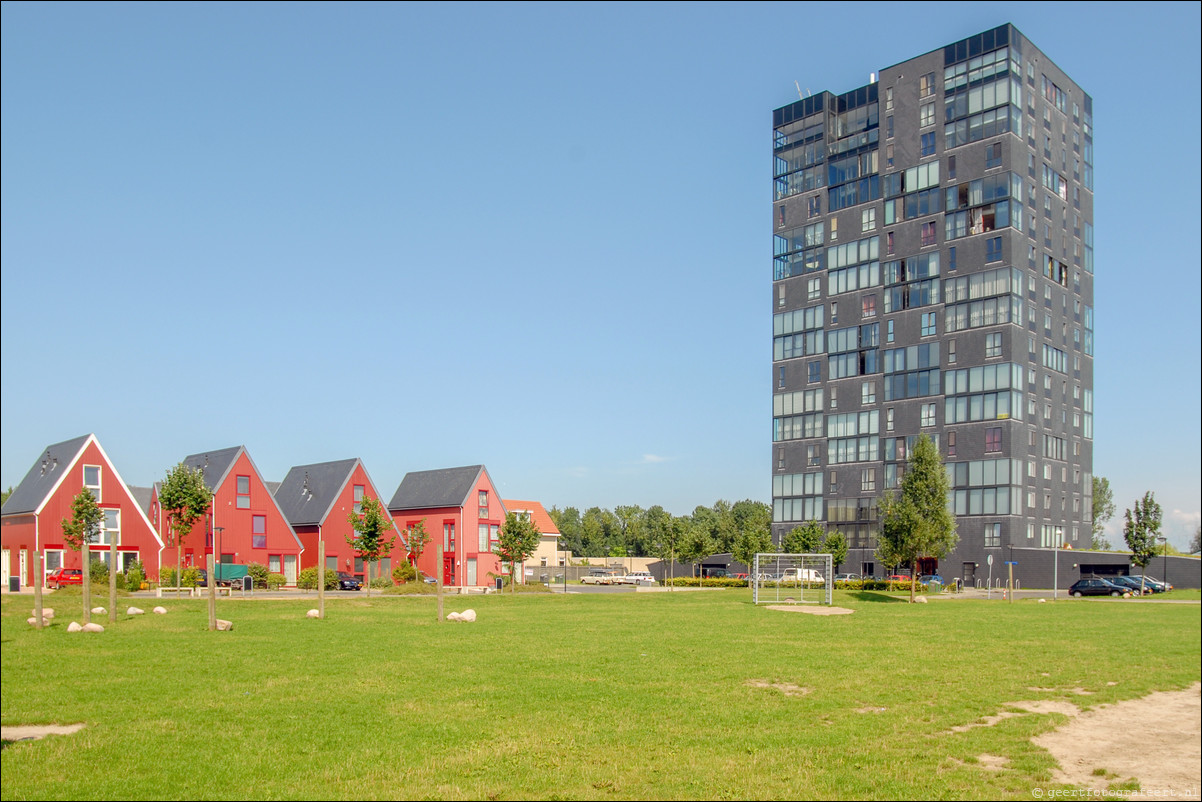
{"x": 868, "y": 306}
{"x": 929, "y": 326}
{"x": 951, "y": 351}
{"x": 868, "y": 220}
{"x": 993, "y": 155}
{"x": 834, "y": 229}
{"x": 868, "y": 393}
{"x": 926, "y": 85}
{"x": 993, "y": 344}
{"x": 951, "y": 259}
{"x": 889, "y": 126}
{"x": 928, "y": 415}
{"x": 780, "y": 216}
{"x": 889, "y": 419}
{"x": 889, "y": 98}
{"x": 482, "y": 503}
{"x": 926, "y": 144}
{"x": 993, "y": 440}
{"x": 815, "y": 371}
{"x": 889, "y": 155}
{"x": 834, "y": 311}
{"x": 813, "y": 455}
{"x": 888, "y": 331}
{"x": 868, "y": 480}
{"x": 815, "y": 206}
{"x": 928, "y": 234}
{"x": 358, "y": 500}
{"x": 780, "y": 295}
{"x": 993, "y": 536}
{"x": 951, "y": 166}
{"x": 814, "y": 289}
{"x": 926, "y": 116}
{"x": 834, "y": 397}
{"x": 889, "y": 242}
{"x": 258, "y": 531}
{"x": 780, "y": 377}
{"x": 91, "y": 480}
{"x": 951, "y": 444}
{"x": 993, "y": 249}
{"x": 242, "y": 493}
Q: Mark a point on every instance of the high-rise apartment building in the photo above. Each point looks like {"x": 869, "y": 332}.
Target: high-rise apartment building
{"x": 933, "y": 274}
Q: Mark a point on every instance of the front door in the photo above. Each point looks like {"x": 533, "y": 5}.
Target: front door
{"x": 289, "y": 569}
{"x": 471, "y": 572}
{"x": 448, "y": 570}
{"x": 969, "y": 575}
{"x": 4, "y": 558}
{"x": 24, "y": 567}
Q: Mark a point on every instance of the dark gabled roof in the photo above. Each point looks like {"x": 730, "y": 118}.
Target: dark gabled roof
{"x": 308, "y": 492}
{"x": 142, "y": 496}
{"x": 446, "y": 487}
{"x": 44, "y": 476}
{"x": 272, "y": 487}
{"x": 215, "y": 464}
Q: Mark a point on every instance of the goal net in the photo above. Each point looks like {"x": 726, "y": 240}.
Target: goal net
{"x": 792, "y": 579}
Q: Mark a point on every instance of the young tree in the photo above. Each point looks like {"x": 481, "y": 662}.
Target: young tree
{"x": 750, "y": 542}
{"x": 804, "y": 539}
{"x": 372, "y": 540}
{"x": 916, "y": 521}
{"x": 836, "y": 546}
{"x": 1103, "y": 511}
{"x": 695, "y": 543}
{"x": 185, "y": 498}
{"x": 419, "y": 538}
{"x": 517, "y": 540}
{"x": 1141, "y": 528}
{"x": 664, "y": 535}
{"x": 81, "y": 530}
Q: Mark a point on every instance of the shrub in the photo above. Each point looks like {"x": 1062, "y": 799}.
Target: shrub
{"x": 710, "y": 582}
{"x": 189, "y": 577}
{"x": 135, "y": 575}
{"x": 120, "y": 581}
{"x": 408, "y": 589}
{"x": 308, "y": 579}
{"x": 167, "y": 577}
{"x": 258, "y": 574}
{"x": 404, "y": 573}
{"x": 99, "y": 572}
{"x": 277, "y": 581}
{"x": 381, "y": 582}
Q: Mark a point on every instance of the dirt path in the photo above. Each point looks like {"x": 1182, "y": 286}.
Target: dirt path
{"x": 1157, "y": 740}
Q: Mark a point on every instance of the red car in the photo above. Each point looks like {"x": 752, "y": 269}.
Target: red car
{"x": 64, "y": 576}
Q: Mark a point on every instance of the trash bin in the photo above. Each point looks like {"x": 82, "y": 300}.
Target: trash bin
{"x": 248, "y": 583}
{"x": 14, "y": 584}
{"x": 500, "y": 583}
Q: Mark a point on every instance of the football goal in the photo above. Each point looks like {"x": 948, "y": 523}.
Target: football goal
{"x": 792, "y": 579}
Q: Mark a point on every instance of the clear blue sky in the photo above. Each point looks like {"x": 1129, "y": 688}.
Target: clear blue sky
{"x": 534, "y": 236}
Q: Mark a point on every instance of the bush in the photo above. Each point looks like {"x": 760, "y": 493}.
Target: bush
{"x": 135, "y": 575}
{"x": 258, "y": 574}
{"x": 715, "y": 582}
{"x": 166, "y": 577}
{"x": 277, "y": 581}
{"x": 404, "y": 573}
{"x": 381, "y": 582}
{"x": 120, "y": 581}
{"x": 189, "y": 577}
{"x": 408, "y": 589}
{"x": 308, "y": 579}
{"x": 99, "y": 572}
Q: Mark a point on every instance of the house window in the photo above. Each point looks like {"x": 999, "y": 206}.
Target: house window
{"x": 993, "y": 155}
{"x": 926, "y": 115}
{"x": 993, "y": 440}
{"x": 110, "y": 533}
{"x": 993, "y": 249}
{"x": 868, "y": 393}
{"x": 258, "y": 531}
{"x": 815, "y": 371}
{"x": 928, "y": 415}
{"x": 929, "y": 327}
{"x": 993, "y": 344}
{"x": 951, "y": 444}
{"x": 868, "y": 220}
{"x": 358, "y": 500}
{"x": 242, "y": 493}
{"x": 867, "y": 480}
{"x": 928, "y": 234}
{"x": 482, "y": 538}
{"x": 273, "y": 563}
{"x": 868, "y": 306}
{"x": 91, "y": 480}
{"x": 448, "y": 536}
{"x": 483, "y": 503}
{"x": 926, "y": 144}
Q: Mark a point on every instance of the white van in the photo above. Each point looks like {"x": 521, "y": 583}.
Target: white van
{"x": 806, "y": 575}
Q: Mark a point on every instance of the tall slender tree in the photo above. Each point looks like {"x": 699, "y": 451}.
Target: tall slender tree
{"x": 418, "y": 539}
{"x": 372, "y": 540}
{"x": 185, "y": 498}
{"x": 518, "y": 539}
{"x": 804, "y": 539}
{"x": 1102, "y": 510}
{"x": 79, "y": 531}
{"x": 1141, "y": 528}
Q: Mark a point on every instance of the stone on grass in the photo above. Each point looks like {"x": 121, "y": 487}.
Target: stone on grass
{"x": 33, "y": 621}
{"x": 312, "y": 614}
{"x": 93, "y": 627}
{"x": 466, "y": 616}
{"x": 47, "y": 612}
{"x": 135, "y": 611}
{"x": 74, "y": 627}
{"x": 223, "y": 625}
{"x": 1043, "y": 601}
{"x": 98, "y": 611}
{"x": 920, "y": 600}
{"x": 160, "y": 610}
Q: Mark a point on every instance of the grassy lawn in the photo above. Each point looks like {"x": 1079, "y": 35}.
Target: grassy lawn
{"x": 605, "y": 696}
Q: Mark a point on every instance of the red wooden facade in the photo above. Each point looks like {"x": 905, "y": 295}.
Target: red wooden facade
{"x": 32, "y": 517}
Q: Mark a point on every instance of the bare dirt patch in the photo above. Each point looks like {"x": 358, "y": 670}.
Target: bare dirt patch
{"x": 32, "y": 733}
{"x": 812, "y": 610}
{"x": 1156, "y": 739}
{"x": 1022, "y": 708}
{"x": 787, "y": 688}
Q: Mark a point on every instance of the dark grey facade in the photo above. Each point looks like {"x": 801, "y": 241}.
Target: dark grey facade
{"x": 933, "y": 274}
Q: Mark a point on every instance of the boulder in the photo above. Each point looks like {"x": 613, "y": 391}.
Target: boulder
{"x": 466, "y": 616}
{"x": 223, "y": 625}
{"x": 98, "y": 611}
{"x": 312, "y": 614}
{"x": 93, "y": 628}
{"x": 920, "y": 599}
{"x": 160, "y": 610}
{"x": 135, "y": 611}
{"x": 453, "y": 617}
{"x": 74, "y": 627}
{"x": 47, "y": 612}
{"x": 33, "y": 621}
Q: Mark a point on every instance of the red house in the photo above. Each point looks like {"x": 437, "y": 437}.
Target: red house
{"x": 31, "y": 519}
{"x": 318, "y": 500}
{"x": 243, "y": 525}
{"x": 462, "y": 509}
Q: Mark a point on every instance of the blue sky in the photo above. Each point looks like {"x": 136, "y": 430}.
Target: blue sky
{"x": 534, "y": 236}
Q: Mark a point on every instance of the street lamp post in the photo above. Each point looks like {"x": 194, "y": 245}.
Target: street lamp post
{"x": 1164, "y": 575}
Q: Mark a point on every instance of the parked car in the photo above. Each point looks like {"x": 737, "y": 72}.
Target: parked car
{"x": 598, "y": 577}
{"x": 638, "y": 578}
{"x": 63, "y": 577}
{"x": 1097, "y": 587}
{"x": 807, "y": 575}
{"x": 1157, "y": 585}
{"x": 426, "y": 578}
{"x": 847, "y": 577}
{"x": 927, "y": 579}
{"x": 1132, "y": 584}
{"x": 348, "y": 582}
{"x": 897, "y": 578}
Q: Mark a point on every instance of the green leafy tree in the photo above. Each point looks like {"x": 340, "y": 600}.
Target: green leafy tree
{"x": 753, "y": 516}
{"x": 696, "y": 543}
{"x": 1195, "y": 545}
{"x": 1141, "y": 528}
{"x": 915, "y": 521}
{"x": 516, "y": 541}
{"x": 750, "y": 542}
{"x": 567, "y": 521}
{"x": 79, "y": 531}
{"x": 1103, "y": 511}
{"x": 184, "y": 498}
{"x": 664, "y": 537}
{"x": 372, "y": 540}
{"x": 630, "y": 522}
{"x": 804, "y": 539}
{"x": 836, "y": 546}
{"x": 4, "y": 495}
{"x": 418, "y": 539}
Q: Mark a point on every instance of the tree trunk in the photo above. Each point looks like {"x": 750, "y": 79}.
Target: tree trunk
{"x": 113, "y": 583}
{"x": 367, "y": 573}
{"x": 212, "y": 595}
{"x": 913, "y": 579}
{"x": 321, "y": 579}
{"x": 438, "y": 583}
{"x": 37, "y": 589}
{"x": 86, "y": 587}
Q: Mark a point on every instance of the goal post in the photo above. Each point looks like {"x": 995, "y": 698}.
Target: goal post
{"x": 792, "y": 579}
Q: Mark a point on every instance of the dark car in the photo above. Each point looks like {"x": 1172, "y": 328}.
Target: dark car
{"x": 1097, "y": 587}
{"x": 1131, "y": 583}
{"x": 1154, "y": 583}
{"x": 348, "y": 582}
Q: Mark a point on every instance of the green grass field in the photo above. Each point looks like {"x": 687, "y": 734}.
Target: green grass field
{"x": 622, "y": 696}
